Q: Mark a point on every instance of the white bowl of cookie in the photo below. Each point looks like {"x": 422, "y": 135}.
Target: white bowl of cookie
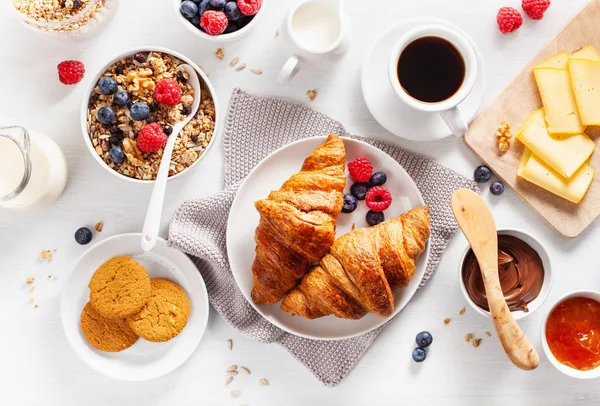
{"x": 112, "y": 117}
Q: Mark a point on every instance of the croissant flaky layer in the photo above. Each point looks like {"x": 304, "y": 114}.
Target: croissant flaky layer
{"x": 362, "y": 270}
{"x": 297, "y": 222}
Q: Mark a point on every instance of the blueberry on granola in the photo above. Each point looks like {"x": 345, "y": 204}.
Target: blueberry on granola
{"x": 121, "y": 98}
{"x": 153, "y": 107}
{"x": 140, "y": 57}
{"x": 139, "y": 111}
{"x": 106, "y": 115}
{"x": 116, "y": 154}
{"x": 168, "y": 130}
{"x": 186, "y": 111}
{"x": 108, "y": 85}
{"x": 117, "y": 138}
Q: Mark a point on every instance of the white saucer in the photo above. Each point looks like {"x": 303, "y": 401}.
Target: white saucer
{"x": 144, "y": 360}
{"x": 390, "y": 111}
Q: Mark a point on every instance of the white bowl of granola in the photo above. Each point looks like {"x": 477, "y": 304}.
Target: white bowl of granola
{"x": 136, "y": 72}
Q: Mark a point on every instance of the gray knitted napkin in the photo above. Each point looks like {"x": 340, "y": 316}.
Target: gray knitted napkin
{"x": 256, "y": 126}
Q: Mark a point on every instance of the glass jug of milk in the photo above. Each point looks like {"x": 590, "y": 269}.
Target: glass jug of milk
{"x": 33, "y": 169}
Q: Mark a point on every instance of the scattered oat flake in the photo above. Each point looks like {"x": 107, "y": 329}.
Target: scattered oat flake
{"x": 219, "y": 53}
{"x": 232, "y": 368}
{"x": 277, "y": 32}
{"x": 236, "y": 393}
{"x": 245, "y": 370}
{"x": 234, "y": 61}
{"x": 232, "y": 373}
{"x": 30, "y": 300}
{"x": 447, "y": 320}
{"x": 263, "y": 381}
{"x": 99, "y": 226}
{"x": 256, "y": 71}
{"x": 241, "y": 67}
{"x": 30, "y": 280}
{"x": 487, "y": 333}
{"x": 35, "y": 306}
{"x": 49, "y": 276}
{"x": 476, "y": 342}
{"x": 46, "y": 255}
{"x": 312, "y": 94}
{"x": 31, "y": 289}
{"x": 230, "y": 344}
{"x": 228, "y": 380}
{"x": 54, "y": 278}
{"x": 462, "y": 311}
{"x": 468, "y": 337}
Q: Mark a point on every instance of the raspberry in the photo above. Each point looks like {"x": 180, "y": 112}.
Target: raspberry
{"x": 249, "y": 7}
{"x": 167, "y": 92}
{"x": 378, "y": 199}
{"x": 70, "y": 72}
{"x": 535, "y": 8}
{"x": 509, "y": 20}
{"x": 360, "y": 169}
{"x": 151, "y": 138}
{"x": 214, "y": 22}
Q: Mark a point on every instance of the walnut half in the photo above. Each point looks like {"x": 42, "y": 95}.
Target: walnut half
{"x": 503, "y": 137}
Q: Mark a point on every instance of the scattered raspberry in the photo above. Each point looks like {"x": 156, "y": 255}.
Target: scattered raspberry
{"x": 167, "y": 92}
{"x": 70, "y": 72}
{"x": 535, "y": 8}
{"x": 509, "y": 20}
{"x": 378, "y": 199}
{"x": 151, "y": 138}
{"x": 249, "y": 7}
{"x": 214, "y": 22}
{"x": 360, "y": 169}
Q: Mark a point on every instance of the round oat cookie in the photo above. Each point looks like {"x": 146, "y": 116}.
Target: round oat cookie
{"x": 165, "y": 314}
{"x": 119, "y": 288}
{"x": 110, "y": 335}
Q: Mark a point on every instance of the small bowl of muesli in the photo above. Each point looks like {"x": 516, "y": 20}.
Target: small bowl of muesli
{"x": 73, "y": 19}
{"x": 132, "y": 107}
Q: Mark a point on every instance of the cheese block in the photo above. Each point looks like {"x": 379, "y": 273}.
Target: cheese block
{"x": 534, "y": 170}
{"x": 585, "y": 80}
{"x": 588, "y": 52}
{"x": 558, "y": 100}
{"x": 558, "y": 61}
{"x": 564, "y": 154}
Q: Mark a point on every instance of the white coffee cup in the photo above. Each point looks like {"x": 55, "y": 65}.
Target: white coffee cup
{"x": 448, "y": 108}
{"x": 314, "y": 32}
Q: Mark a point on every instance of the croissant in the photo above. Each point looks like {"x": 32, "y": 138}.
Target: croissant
{"x": 362, "y": 269}
{"x": 297, "y": 222}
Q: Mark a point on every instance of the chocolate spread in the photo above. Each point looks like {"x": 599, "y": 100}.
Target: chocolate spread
{"x": 520, "y": 269}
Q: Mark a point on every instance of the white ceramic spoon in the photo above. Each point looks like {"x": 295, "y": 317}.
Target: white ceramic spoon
{"x": 155, "y": 207}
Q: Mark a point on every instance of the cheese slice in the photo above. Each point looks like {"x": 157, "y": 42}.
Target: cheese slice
{"x": 564, "y": 154}
{"x": 588, "y": 52}
{"x": 585, "y": 80}
{"x": 534, "y": 170}
{"x": 558, "y": 100}
{"x": 558, "y": 61}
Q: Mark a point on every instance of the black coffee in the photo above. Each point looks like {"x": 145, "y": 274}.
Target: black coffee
{"x": 431, "y": 69}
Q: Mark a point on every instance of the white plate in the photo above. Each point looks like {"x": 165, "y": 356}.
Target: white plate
{"x": 144, "y": 360}
{"x": 270, "y": 174}
{"x": 387, "y": 108}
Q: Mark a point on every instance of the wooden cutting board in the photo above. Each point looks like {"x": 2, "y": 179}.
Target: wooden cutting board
{"x": 514, "y": 105}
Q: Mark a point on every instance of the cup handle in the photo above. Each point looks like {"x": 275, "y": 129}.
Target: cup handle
{"x": 289, "y": 70}
{"x": 454, "y": 121}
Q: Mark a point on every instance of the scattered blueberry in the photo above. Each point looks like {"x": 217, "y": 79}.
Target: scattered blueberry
{"x": 168, "y": 130}
{"x": 218, "y": 3}
{"x": 121, "y": 98}
{"x": 497, "y": 188}
{"x": 232, "y": 11}
{"x": 419, "y": 354}
{"x": 424, "y": 339}
{"x": 139, "y": 111}
{"x": 482, "y": 174}
{"x": 116, "y": 154}
{"x": 378, "y": 179}
{"x": 107, "y": 85}
{"x": 374, "y": 217}
{"x": 360, "y": 189}
{"x": 189, "y": 9}
{"x": 83, "y": 236}
{"x": 350, "y": 203}
{"x": 106, "y": 115}
{"x": 140, "y": 57}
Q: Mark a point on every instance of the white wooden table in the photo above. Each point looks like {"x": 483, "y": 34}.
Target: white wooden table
{"x": 37, "y": 366}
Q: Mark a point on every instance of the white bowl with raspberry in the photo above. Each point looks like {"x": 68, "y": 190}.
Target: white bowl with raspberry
{"x": 214, "y": 25}
{"x": 208, "y": 90}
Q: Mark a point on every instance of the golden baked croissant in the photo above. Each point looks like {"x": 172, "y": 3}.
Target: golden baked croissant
{"x": 362, "y": 270}
{"x": 297, "y": 222}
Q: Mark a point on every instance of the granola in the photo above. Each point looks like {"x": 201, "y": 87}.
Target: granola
{"x": 138, "y": 75}
{"x": 75, "y": 13}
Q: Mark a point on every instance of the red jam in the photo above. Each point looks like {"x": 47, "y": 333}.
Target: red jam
{"x": 573, "y": 333}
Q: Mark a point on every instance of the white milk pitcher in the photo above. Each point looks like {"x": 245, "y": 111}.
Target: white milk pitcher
{"x": 314, "y": 32}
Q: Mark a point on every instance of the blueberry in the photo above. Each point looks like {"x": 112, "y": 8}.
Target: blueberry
{"x": 424, "y": 339}
{"x": 168, "y": 130}
{"x": 153, "y": 107}
{"x": 419, "y": 354}
{"x": 139, "y": 111}
{"x": 378, "y": 179}
{"x": 231, "y": 27}
{"x": 497, "y": 188}
{"x": 116, "y": 154}
{"x": 374, "y": 217}
{"x": 360, "y": 189}
{"x": 106, "y": 115}
{"x": 140, "y": 57}
{"x": 203, "y": 7}
{"x": 194, "y": 138}
{"x": 189, "y": 9}
{"x": 217, "y": 3}
{"x": 482, "y": 174}
{"x": 181, "y": 77}
{"x": 119, "y": 70}
{"x": 350, "y": 203}
{"x": 195, "y": 21}
{"x": 117, "y": 138}
{"x": 232, "y": 11}
{"x": 186, "y": 111}
{"x": 121, "y": 98}
{"x": 107, "y": 85}
{"x": 83, "y": 236}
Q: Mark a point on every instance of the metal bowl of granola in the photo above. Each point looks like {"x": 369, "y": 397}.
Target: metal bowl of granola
{"x": 136, "y": 73}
